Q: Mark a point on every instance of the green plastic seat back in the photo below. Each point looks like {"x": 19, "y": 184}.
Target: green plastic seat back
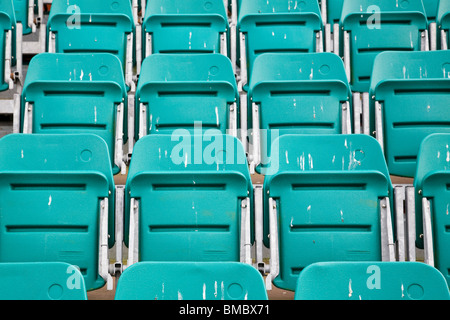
{"x": 443, "y": 20}
{"x": 327, "y": 190}
{"x": 431, "y": 9}
{"x": 76, "y": 93}
{"x": 85, "y": 26}
{"x": 41, "y": 281}
{"x": 51, "y": 187}
{"x": 21, "y": 12}
{"x": 334, "y": 11}
{"x": 182, "y": 89}
{"x": 185, "y": 26}
{"x": 371, "y": 281}
{"x": 377, "y": 27}
{"x": 432, "y": 180}
{"x": 7, "y": 22}
{"x": 298, "y": 93}
{"x": 413, "y": 88}
{"x": 279, "y": 26}
{"x": 190, "y": 281}
{"x": 189, "y": 189}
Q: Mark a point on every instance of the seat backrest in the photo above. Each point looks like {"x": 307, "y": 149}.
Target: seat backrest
{"x": 85, "y": 26}
{"x": 413, "y": 89}
{"x": 189, "y": 189}
{"x": 190, "y": 281}
{"x": 185, "y": 26}
{"x": 41, "y": 281}
{"x": 7, "y": 22}
{"x": 183, "y": 89}
{"x": 371, "y": 281}
{"x": 21, "y": 12}
{"x": 327, "y": 190}
{"x": 280, "y": 26}
{"x": 431, "y": 9}
{"x": 377, "y": 27}
{"x": 431, "y": 182}
{"x": 76, "y": 93}
{"x": 298, "y": 93}
{"x": 334, "y": 11}
{"x": 63, "y": 178}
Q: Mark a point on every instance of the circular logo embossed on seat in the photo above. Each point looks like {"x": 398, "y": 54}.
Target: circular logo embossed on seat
{"x": 55, "y": 292}
{"x": 235, "y": 291}
{"x": 86, "y": 155}
{"x": 415, "y": 291}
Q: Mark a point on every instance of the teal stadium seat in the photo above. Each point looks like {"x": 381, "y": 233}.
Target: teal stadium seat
{"x": 191, "y": 281}
{"x": 77, "y": 93}
{"x": 280, "y": 26}
{"x": 443, "y": 22}
{"x": 181, "y": 91}
{"x": 57, "y": 196}
{"x": 7, "y": 43}
{"x": 326, "y": 199}
{"x": 86, "y": 26}
{"x": 277, "y": 26}
{"x": 371, "y": 281}
{"x": 188, "y": 198}
{"x": 41, "y": 281}
{"x": 410, "y": 98}
{"x": 185, "y": 26}
{"x": 297, "y": 93}
{"x": 369, "y": 27}
{"x": 432, "y": 201}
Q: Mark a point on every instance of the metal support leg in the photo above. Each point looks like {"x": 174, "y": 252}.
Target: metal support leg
{"x": 424, "y": 42}
{"x": 119, "y": 223}
{"x": 427, "y": 232}
{"x": 138, "y": 49}
{"x": 347, "y": 55}
{"x": 256, "y": 145}
{"x": 274, "y": 252}
{"x": 444, "y": 43}
{"x": 387, "y": 237}
{"x": 148, "y": 44}
{"x": 379, "y": 124}
{"x": 258, "y": 199}
{"x": 129, "y": 63}
{"x": 410, "y": 223}
{"x": 233, "y": 120}
{"x": 346, "y": 121}
{"x": 366, "y": 113}
{"x": 223, "y": 44}
{"x": 119, "y": 139}
{"x": 131, "y": 124}
{"x": 399, "y": 194}
{"x": 103, "y": 245}
{"x": 245, "y": 232}
{"x": 357, "y": 112}
{"x": 133, "y": 244}
{"x": 433, "y": 36}
{"x": 8, "y": 60}
{"x": 28, "y": 118}
{"x": 16, "y": 114}
{"x": 142, "y": 120}
{"x": 336, "y": 39}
